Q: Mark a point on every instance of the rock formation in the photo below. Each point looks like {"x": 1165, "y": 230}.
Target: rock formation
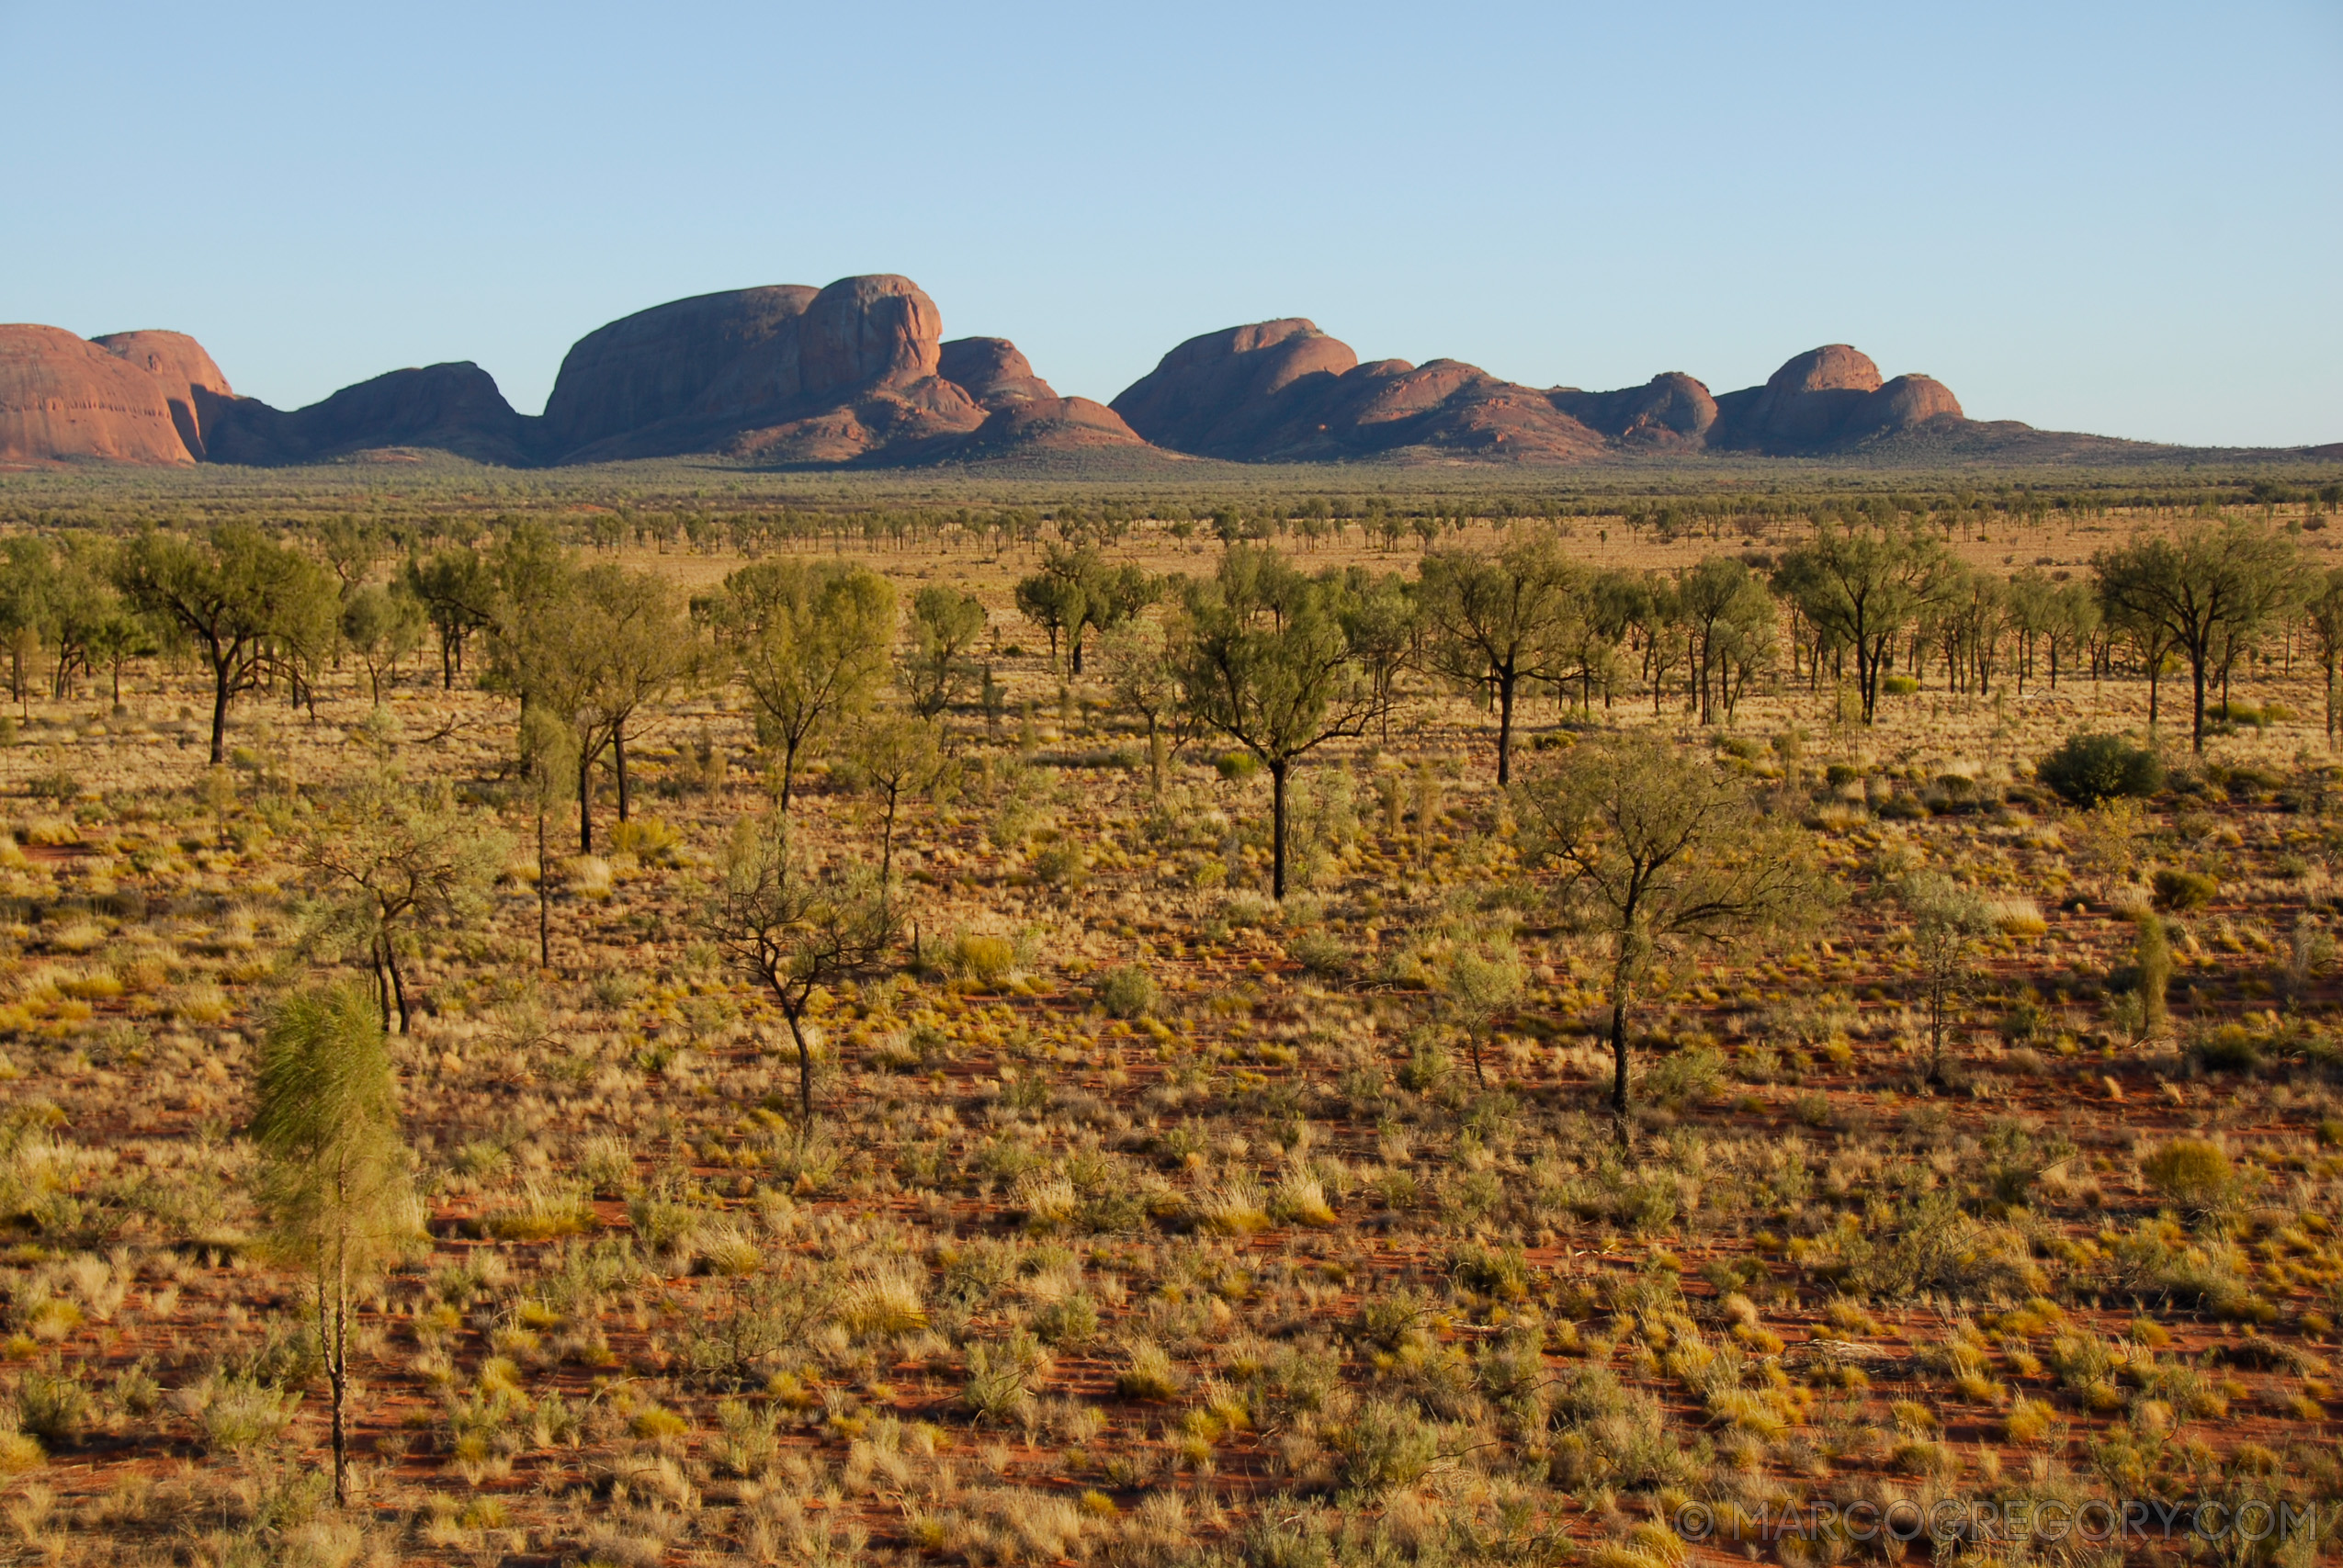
{"x": 185, "y": 370}
{"x": 63, "y": 399}
{"x": 1024, "y": 415}
{"x": 447, "y": 408}
{"x": 784, "y": 373}
{"x": 859, "y": 373}
{"x": 1671, "y": 412}
{"x": 1284, "y": 392}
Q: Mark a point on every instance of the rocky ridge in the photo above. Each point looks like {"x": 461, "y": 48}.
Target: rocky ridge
{"x": 859, "y": 373}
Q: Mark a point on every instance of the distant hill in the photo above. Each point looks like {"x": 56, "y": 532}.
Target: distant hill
{"x": 858, "y": 373}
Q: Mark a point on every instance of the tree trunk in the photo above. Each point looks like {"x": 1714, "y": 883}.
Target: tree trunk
{"x": 219, "y": 714}
{"x": 887, "y": 840}
{"x": 1619, "y": 992}
{"x": 1277, "y": 828}
{"x": 1505, "y": 681}
{"x": 788, "y": 772}
{"x": 585, "y": 801}
{"x": 544, "y": 898}
{"x": 398, "y": 981}
{"x": 805, "y": 1074}
{"x": 618, "y": 766}
{"x": 338, "y": 1368}
{"x": 2196, "y": 724}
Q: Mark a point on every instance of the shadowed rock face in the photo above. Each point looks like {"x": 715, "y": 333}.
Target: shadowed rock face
{"x": 1284, "y": 390}
{"x": 1826, "y": 399}
{"x": 1024, "y": 415}
{"x": 1670, "y": 412}
{"x": 449, "y": 408}
{"x": 63, "y": 399}
{"x": 786, "y": 374}
{"x": 655, "y": 364}
{"x": 990, "y": 370}
{"x": 183, "y": 367}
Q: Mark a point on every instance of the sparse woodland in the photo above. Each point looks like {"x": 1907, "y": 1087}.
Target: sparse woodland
{"x": 775, "y": 1027}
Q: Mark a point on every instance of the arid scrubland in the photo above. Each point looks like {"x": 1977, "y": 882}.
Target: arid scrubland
{"x": 979, "y": 1163}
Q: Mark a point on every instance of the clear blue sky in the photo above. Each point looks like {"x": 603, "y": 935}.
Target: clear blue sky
{"x": 2120, "y": 217}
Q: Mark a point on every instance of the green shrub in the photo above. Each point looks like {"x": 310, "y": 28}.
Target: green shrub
{"x": 646, "y": 838}
{"x": 2231, "y": 1048}
{"x": 2193, "y": 1172}
{"x": 52, "y": 1403}
{"x": 1128, "y": 991}
{"x": 2183, "y": 889}
{"x": 1898, "y": 686}
{"x": 987, "y": 960}
{"x": 2088, "y": 769}
{"x": 1070, "y": 1321}
{"x": 1685, "y": 1078}
{"x": 1060, "y": 865}
{"x": 1385, "y": 1447}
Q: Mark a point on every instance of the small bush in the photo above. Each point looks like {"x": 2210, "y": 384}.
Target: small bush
{"x": 647, "y": 839}
{"x": 2193, "y": 1172}
{"x": 1069, "y": 1322}
{"x": 2228, "y": 1049}
{"x": 1148, "y": 1373}
{"x": 1128, "y": 991}
{"x": 246, "y": 1413}
{"x": 2088, "y": 769}
{"x": 1001, "y": 1378}
{"x": 1385, "y": 1447}
{"x": 52, "y": 1403}
{"x": 1061, "y": 866}
{"x": 2180, "y": 890}
{"x": 1898, "y": 686}
{"x": 987, "y": 960}
{"x": 1685, "y": 1078}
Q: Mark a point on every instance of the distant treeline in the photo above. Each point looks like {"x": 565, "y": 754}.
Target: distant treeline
{"x": 737, "y": 519}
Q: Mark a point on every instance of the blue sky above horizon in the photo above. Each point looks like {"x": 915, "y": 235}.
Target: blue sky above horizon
{"x": 2120, "y": 219}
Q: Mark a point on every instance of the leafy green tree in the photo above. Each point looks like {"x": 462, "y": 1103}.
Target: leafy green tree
{"x": 80, "y": 606}
{"x": 811, "y": 643}
{"x": 945, "y": 624}
{"x": 1729, "y": 621}
{"x": 895, "y": 755}
{"x": 598, "y": 647}
{"x": 1658, "y": 850}
{"x": 458, "y": 593}
{"x": 381, "y": 627}
{"x": 1950, "y": 925}
{"x": 390, "y": 856}
{"x": 1485, "y": 978}
{"x": 2324, "y": 611}
{"x": 26, "y": 569}
{"x": 1495, "y": 620}
{"x": 1861, "y": 586}
{"x": 1265, "y": 659}
{"x": 233, "y": 595}
{"x": 1384, "y": 623}
{"x": 335, "y": 1180}
{"x": 2209, "y": 589}
{"x": 794, "y": 929}
{"x": 1051, "y": 602}
{"x": 548, "y": 779}
{"x": 1144, "y": 679}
